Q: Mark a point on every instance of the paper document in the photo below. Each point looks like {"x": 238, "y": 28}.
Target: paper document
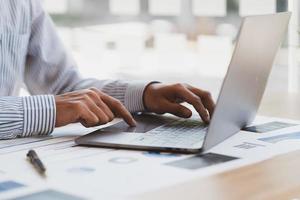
{"x": 86, "y": 172}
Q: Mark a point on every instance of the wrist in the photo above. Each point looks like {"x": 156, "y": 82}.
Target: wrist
{"x": 147, "y": 91}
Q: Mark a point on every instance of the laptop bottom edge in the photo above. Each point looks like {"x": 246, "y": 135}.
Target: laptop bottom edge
{"x": 142, "y": 148}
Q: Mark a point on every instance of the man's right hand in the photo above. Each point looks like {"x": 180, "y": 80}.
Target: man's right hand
{"x": 90, "y": 107}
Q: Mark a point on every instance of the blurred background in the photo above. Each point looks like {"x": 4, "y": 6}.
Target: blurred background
{"x": 187, "y": 41}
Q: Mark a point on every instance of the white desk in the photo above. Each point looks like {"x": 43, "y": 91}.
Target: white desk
{"x": 113, "y": 174}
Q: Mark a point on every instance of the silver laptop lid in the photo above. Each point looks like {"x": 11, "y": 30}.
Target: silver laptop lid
{"x": 259, "y": 40}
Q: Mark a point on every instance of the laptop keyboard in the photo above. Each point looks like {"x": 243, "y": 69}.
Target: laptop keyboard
{"x": 175, "y": 134}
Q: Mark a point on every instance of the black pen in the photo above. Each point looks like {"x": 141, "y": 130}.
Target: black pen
{"x": 36, "y": 162}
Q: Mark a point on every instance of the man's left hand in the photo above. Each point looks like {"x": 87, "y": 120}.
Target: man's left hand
{"x": 161, "y": 98}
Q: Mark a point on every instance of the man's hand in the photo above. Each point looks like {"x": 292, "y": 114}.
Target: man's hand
{"x": 90, "y": 107}
{"x": 161, "y": 98}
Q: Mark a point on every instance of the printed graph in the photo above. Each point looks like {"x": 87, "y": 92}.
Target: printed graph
{"x": 9, "y": 185}
{"x": 280, "y": 138}
{"x": 248, "y": 145}
{"x": 267, "y": 127}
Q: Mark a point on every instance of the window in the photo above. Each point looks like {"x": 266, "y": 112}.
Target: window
{"x": 169, "y": 40}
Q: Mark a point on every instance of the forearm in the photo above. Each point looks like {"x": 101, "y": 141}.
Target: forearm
{"x": 26, "y": 116}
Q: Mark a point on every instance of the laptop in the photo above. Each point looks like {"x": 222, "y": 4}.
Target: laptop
{"x": 240, "y": 96}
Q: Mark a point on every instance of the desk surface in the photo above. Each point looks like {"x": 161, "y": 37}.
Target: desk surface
{"x": 277, "y": 178}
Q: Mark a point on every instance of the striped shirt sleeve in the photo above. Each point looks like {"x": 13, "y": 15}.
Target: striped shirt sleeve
{"x": 130, "y": 94}
{"x": 51, "y": 70}
{"x": 26, "y": 116}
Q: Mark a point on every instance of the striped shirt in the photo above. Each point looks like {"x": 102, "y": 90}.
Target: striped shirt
{"x": 32, "y": 54}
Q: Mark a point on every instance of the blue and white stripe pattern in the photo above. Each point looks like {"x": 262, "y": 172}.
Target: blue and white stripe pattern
{"x": 32, "y": 54}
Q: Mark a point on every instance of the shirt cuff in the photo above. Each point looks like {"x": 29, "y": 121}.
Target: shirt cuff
{"x": 129, "y": 93}
{"x": 39, "y": 115}
{"x": 133, "y": 100}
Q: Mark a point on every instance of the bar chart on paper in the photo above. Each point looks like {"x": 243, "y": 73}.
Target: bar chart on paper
{"x": 248, "y": 145}
{"x": 280, "y": 138}
{"x": 9, "y": 185}
{"x": 267, "y": 127}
